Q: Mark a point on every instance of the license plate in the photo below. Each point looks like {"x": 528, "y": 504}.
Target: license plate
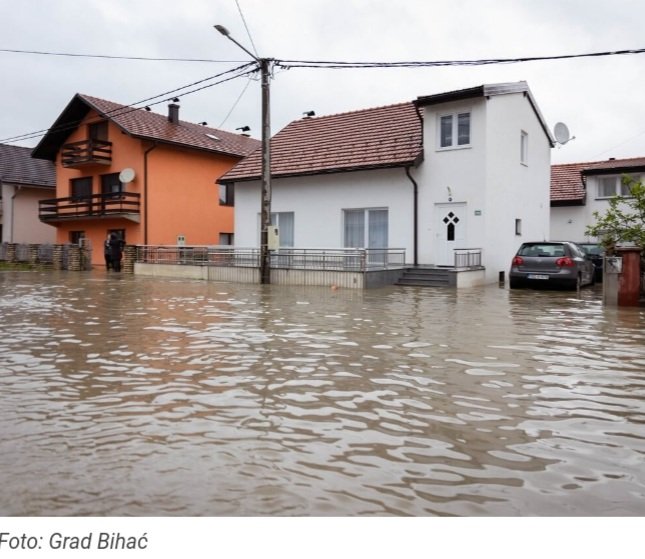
{"x": 538, "y": 276}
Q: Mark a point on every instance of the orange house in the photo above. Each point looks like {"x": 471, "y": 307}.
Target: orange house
{"x": 147, "y": 177}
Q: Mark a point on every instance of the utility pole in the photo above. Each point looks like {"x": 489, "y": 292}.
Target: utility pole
{"x": 265, "y": 65}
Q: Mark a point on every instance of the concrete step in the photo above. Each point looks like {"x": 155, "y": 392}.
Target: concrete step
{"x": 427, "y": 277}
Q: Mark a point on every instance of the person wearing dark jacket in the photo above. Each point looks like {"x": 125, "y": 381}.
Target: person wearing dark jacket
{"x": 116, "y": 251}
{"x": 107, "y": 252}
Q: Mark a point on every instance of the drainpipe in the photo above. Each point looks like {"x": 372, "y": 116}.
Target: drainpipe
{"x": 145, "y": 192}
{"x": 415, "y": 217}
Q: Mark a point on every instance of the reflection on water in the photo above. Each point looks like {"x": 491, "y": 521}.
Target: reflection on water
{"x": 139, "y": 396}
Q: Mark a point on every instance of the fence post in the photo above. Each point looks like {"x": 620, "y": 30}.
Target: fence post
{"x": 74, "y": 258}
{"x": 57, "y": 257}
{"x": 129, "y": 256}
{"x": 33, "y": 254}
{"x": 11, "y": 252}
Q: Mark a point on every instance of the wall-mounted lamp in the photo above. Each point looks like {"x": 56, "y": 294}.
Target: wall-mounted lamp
{"x": 449, "y": 194}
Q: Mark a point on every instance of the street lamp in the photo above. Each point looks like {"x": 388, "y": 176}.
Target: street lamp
{"x": 265, "y": 208}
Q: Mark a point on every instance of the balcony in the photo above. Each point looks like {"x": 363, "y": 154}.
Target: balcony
{"x": 86, "y": 152}
{"x": 124, "y": 205}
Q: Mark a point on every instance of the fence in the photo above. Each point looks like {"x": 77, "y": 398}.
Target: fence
{"x": 49, "y": 256}
{"x": 468, "y": 257}
{"x": 350, "y": 259}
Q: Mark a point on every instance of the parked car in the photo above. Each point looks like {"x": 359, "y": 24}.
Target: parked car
{"x": 550, "y": 264}
{"x": 596, "y": 253}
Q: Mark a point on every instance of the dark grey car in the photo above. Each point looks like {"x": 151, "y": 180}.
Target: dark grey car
{"x": 551, "y": 264}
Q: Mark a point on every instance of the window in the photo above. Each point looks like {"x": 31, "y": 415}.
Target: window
{"x": 614, "y": 185}
{"x": 518, "y": 227}
{"x": 284, "y": 221}
{"x": 111, "y": 185}
{"x": 226, "y": 195}
{"x": 454, "y": 130}
{"x": 81, "y": 189}
{"x": 226, "y": 238}
{"x": 524, "y": 148}
{"x": 77, "y": 237}
{"x": 366, "y": 228}
{"x": 98, "y": 131}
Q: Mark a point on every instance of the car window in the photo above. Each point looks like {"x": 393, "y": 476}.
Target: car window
{"x": 542, "y": 249}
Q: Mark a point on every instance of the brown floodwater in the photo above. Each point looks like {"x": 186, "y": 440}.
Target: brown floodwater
{"x": 125, "y": 395}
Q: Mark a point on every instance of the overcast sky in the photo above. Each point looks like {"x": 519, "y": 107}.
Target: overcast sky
{"x": 600, "y": 99}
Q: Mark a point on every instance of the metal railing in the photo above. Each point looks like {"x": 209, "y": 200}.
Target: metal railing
{"x": 468, "y": 257}
{"x": 351, "y": 259}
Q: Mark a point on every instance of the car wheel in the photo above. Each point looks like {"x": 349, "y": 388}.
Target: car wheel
{"x": 514, "y": 283}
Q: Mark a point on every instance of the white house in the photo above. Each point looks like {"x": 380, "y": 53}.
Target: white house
{"x": 23, "y": 182}
{"x": 467, "y": 169}
{"x": 580, "y": 189}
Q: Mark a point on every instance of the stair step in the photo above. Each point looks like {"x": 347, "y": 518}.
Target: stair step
{"x": 426, "y": 277}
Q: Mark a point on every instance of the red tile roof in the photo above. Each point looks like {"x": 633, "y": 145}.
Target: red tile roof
{"x": 568, "y": 183}
{"x": 380, "y": 137}
{"x": 145, "y": 125}
{"x": 152, "y": 126}
{"x": 18, "y": 167}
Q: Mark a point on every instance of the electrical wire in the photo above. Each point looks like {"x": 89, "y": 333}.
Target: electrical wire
{"x": 246, "y": 86}
{"x": 239, "y": 9}
{"x": 114, "y": 57}
{"x": 123, "y": 110}
{"x": 425, "y": 64}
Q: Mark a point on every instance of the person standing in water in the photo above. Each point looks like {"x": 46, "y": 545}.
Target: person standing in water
{"x": 116, "y": 251}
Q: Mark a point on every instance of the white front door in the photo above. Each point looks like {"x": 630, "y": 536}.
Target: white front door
{"x": 450, "y": 231}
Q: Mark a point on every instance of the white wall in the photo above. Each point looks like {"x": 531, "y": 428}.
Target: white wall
{"x": 514, "y": 190}
{"x": 490, "y": 178}
{"x": 318, "y": 203}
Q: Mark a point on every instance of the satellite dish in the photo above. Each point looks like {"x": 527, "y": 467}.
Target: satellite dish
{"x": 561, "y": 133}
{"x": 127, "y": 175}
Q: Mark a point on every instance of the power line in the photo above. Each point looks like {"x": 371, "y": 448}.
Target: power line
{"x": 246, "y": 86}
{"x": 239, "y": 9}
{"x": 115, "y": 57}
{"x": 122, "y": 110}
{"x": 425, "y": 64}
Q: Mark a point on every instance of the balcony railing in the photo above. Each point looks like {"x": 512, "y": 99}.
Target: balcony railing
{"x": 86, "y": 152}
{"x": 123, "y": 204}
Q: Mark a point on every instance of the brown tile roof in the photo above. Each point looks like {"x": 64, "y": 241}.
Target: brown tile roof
{"x": 380, "y": 137}
{"x": 568, "y": 182}
{"x": 145, "y": 125}
{"x": 18, "y": 167}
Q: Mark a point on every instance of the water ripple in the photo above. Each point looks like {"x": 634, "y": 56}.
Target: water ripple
{"x": 153, "y": 397}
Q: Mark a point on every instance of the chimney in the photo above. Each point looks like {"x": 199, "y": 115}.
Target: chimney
{"x": 173, "y": 113}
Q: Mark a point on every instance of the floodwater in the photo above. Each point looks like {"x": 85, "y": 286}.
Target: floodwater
{"x": 125, "y": 395}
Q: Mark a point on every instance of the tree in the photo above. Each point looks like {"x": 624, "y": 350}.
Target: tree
{"x": 624, "y": 220}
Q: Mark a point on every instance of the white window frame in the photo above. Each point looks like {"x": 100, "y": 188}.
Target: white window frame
{"x": 367, "y": 216}
{"x": 619, "y": 187}
{"x": 524, "y": 148}
{"x": 454, "y": 115}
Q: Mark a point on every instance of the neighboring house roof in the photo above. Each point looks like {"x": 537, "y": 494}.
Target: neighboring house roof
{"x": 568, "y": 181}
{"x": 145, "y": 125}
{"x": 17, "y": 166}
{"x": 376, "y": 138}
{"x": 488, "y": 90}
